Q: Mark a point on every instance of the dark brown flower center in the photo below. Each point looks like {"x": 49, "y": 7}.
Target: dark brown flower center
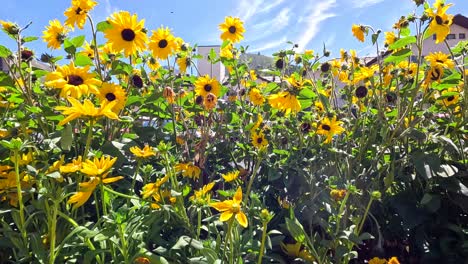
{"x": 440, "y": 61}
{"x": 162, "y": 43}
{"x": 128, "y": 34}
{"x": 75, "y": 80}
{"x": 435, "y": 74}
{"x": 78, "y": 11}
{"x": 232, "y": 29}
{"x": 110, "y": 97}
{"x": 259, "y": 140}
{"x": 450, "y": 98}
{"x": 207, "y": 87}
{"x": 199, "y": 100}
{"x": 137, "y": 81}
{"x": 279, "y": 64}
{"x": 361, "y": 92}
{"x": 439, "y": 20}
{"x": 326, "y": 127}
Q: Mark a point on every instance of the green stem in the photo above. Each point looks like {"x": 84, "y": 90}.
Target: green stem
{"x": 124, "y": 244}
{"x": 228, "y": 235}
{"x": 20, "y": 198}
{"x": 88, "y": 140}
{"x": 135, "y": 175}
{"x": 254, "y": 173}
{"x": 262, "y": 246}
{"x": 364, "y": 216}
{"x": 103, "y": 201}
{"x": 121, "y": 194}
{"x": 52, "y": 231}
{"x": 198, "y": 222}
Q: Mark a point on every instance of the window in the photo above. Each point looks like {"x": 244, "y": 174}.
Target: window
{"x": 461, "y": 36}
{"x": 451, "y": 36}
{"x": 434, "y": 37}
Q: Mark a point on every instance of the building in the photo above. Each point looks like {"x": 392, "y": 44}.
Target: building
{"x": 205, "y": 67}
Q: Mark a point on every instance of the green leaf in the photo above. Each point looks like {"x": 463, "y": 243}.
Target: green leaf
{"x": 78, "y": 41}
{"x": 374, "y": 38}
{"x": 4, "y": 52}
{"x": 399, "y": 56}
{"x": 296, "y": 230}
{"x": 5, "y": 80}
{"x": 83, "y": 60}
{"x": 67, "y": 138}
{"x": 29, "y": 39}
{"x": 403, "y": 42}
{"x": 69, "y": 47}
{"x": 405, "y": 32}
{"x": 103, "y": 26}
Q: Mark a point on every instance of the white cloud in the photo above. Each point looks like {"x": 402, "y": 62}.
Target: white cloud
{"x": 247, "y": 8}
{"x": 365, "y": 3}
{"x": 280, "y": 21}
{"x": 270, "y": 6}
{"x": 317, "y": 13}
{"x": 269, "y": 45}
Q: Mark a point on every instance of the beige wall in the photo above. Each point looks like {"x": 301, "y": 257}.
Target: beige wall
{"x": 429, "y": 44}
{"x": 205, "y": 67}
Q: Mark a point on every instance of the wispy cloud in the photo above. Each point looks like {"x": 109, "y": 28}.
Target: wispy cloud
{"x": 269, "y": 45}
{"x": 317, "y": 13}
{"x": 246, "y": 9}
{"x": 280, "y": 21}
{"x": 365, "y": 3}
{"x": 268, "y": 7}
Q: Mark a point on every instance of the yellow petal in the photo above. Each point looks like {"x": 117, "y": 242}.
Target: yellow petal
{"x": 242, "y": 219}
{"x": 238, "y": 195}
{"x": 112, "y": 179}
{"x": 222, "y": 206}
{"x": 225, "y": 216}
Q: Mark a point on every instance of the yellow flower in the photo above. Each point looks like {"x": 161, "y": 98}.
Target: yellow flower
{"x": 73, "y": 81}
{"x": 390, "y": 38}
{"x": 358, "y": 32}
{"x": 285, "y": 101}
{"x": 76, "y": 14}
{"x": 330, "y": 128}
{"x": 434, "y": 74}
{"x": 71, "y": 167}
{"x": 450, "y": 96}
{"x": 162, "y": 43}
{"x": 393, "y": 260}
{"x": 24, "y": 158}
{"x": 439, "y": 59}
{"x": 232, "y": 29}
{"x": 153, "y": 64}
{"x": 110, "y": 92}
{"x": 54, "y": 34}
{"x": 319, "y": 106}
{"x": 338, "y": 194}
{"x": 205, "y": 85}
{"x": 376, "y": 260}
{"x": 256, "y": 97}
{"x": 88, "y": 50}
{"x": 97, "y": 167}
{"x": 183, "y": 63}
{"x": 146, "y": 152}
{"x": 210, "y": 101}
{"x": 202, "y": 196}
{"x": 231, "y": 176}
{"x": 10, "y": 27}
{"x": 297, "y": 251}
{"x": 151, "y": 189}
{"x": 258, "y": 140}
{"x": 127, "y": 33}
{"x": 188, "y": 170}
{"x": 226, "y": 52}
{"x": 253, "y": 75}
{"x": 4, "y": 133}
{"x": 87, "y": 188}
{"x": 441, "y": 22}
{"x": 86, "y": 109}
{"x": 230, "y": 208}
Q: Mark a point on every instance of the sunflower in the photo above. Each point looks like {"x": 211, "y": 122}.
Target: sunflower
{"x": 169, "y": 94}
{"x": 54, "y": 34}
{"x": 153, "y": 64}
{"x": 226, "y": 52}
{"x": 231, "y": 176}
{"x": 127, "y": 33}
{"x": 88, "y": 50}
{"x": 330, "y": 128}
{"x": 9, "y": 27}
{"x": 358, "y": 32}
{"x": 256, "y": 97}
{"x": 112, "y": 92}
{"x": 439, "y": 59}
{"x": 162, "y": 43}
{"x": 183, "y": 63}
{"x": 232, "y": 208}
{"x": 76, "y": 14}
{"x": 144, "y": 153}
{"x": 285, "y": 101}
{"x": 434, "y": 74}
{"x": 73, "y": 81}
{"x": 390, "y": 38}
{"x": 86, "y": 109}
{"x": 258, "y": 140}
{"x": 441, "y": 22}
{"x": 205, "y": 85}
{"x": 450, "y": 96}
{"x": 210, "y": 101}
{"x": 232, "y": 29}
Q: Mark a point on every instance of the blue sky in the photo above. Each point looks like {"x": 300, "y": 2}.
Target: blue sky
{"x": 269, "y": 23}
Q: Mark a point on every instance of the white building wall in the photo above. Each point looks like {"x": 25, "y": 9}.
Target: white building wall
{"x": 429, "y": 44}
{"x": 205, "y": 67}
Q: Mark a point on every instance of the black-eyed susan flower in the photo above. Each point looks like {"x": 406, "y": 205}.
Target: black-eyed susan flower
{"x": 73, "y": 81}
{"x": 232, "y": 208}
{"x": 232, "y": 29}
{"x": 113, "y": 93}
{"x": 76, "y": 14}
{"x": 358, "y": 32}
{"x": 230, "y": 176}
{"x": 450, "y": 96}
{"x": 210, "y": 101}
{"x": 441, "y": 22}
{"x": 205, "y": 85}
{"x": 54, "y": 34}
{"x": 98, "y": 166}
{"x": 151, "y": 189}
{"x": 256, "y": 97}
{"x": 144, "y": 153}
{"x": 87, "y": 110}
{"x": 440, "y": 59}
{"x": 127, "y": 34}
{"x": 162, "y": 43}
{"x": 285, "y": 101}
{"x": 329, "y": 128}
{"x": 258, "y": 140}
{"x": 73, "y": 166}
{"x": 188, "y": 170}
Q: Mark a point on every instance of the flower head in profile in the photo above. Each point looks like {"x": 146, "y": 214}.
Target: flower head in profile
{"x": 230, "y": 176}
{"x": 162, "y": 43}
{"x": 256, "y": 97}
{"x": 183, "y": 63}
{"x": 285, "y": 101}
{"x": 87, "y": 188}
{"x": 87, "y": 109}
{"x": 202, "y": 196}
{"x": 54, "y": 34}
{"x": 144, "y": 153}
{"x": 127, "y": 34}
{"x": 188, "y": 170}
{"x": 9, "y": 27}
{"x": 110, "y": 92}
{"x": 440, "y": 59}
{"x": 232, "y": 208}
{"x": 76, "y": 14}
{"x": 205, "y": 85}
{"x": 358, "y": 32}
{"x": 232, "y": 29}
{"x": 390, "y": 38}
{"x": 72, "y": 81}
{"x": 441, "y": 22}
{"x": 393, "y": 260}
{"x": 329, "y": 128}
{"x": 73, "y": 166}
